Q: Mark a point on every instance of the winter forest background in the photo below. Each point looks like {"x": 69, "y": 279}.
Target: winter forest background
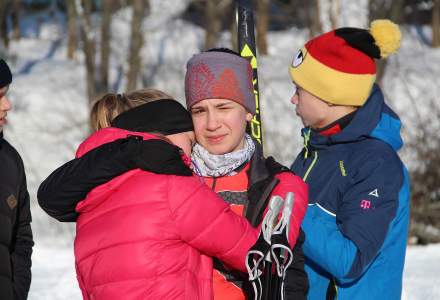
{"x": 64, "y": 54}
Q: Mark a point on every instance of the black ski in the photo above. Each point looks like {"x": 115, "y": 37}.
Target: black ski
{"x": 246, "y": 46}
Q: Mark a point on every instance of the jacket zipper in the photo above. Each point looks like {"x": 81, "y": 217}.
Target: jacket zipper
{"x": 306, "y": 143}
{"x": 309, "y": 169}
{"x": 214, "y": 183}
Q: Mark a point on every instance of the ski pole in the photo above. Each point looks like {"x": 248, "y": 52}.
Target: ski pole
{"x": 275, "y": 207}
{"x": 280, "y": 249}
{"x": 256, "y": 257}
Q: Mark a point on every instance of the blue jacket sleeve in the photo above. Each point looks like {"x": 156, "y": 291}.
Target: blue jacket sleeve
{"x": 344, "y": 244}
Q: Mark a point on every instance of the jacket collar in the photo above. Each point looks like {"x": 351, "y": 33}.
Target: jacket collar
{"x": 257, "y": 170}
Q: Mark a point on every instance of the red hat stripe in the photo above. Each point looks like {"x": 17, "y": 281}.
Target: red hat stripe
{"x": 339, "y": 55}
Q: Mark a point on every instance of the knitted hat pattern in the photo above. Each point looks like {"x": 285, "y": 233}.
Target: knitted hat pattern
{"x": 219, "y": 75}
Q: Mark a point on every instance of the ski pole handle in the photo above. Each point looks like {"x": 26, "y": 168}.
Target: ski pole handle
{"x": 271, "y": 216}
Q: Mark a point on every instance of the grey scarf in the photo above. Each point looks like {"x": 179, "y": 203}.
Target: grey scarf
{"x": 211, "y": 165}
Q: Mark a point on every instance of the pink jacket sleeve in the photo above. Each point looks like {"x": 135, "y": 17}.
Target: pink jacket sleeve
{"x": 292, "y": 183}
{"x": 206, "y": 222}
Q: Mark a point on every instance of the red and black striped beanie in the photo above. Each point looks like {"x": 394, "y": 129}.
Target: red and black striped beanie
{"x": 339, "y": 67}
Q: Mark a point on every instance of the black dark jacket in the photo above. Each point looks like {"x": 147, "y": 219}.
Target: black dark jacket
{"x": 66, "y": 186}
{"x": 15, "y": 230}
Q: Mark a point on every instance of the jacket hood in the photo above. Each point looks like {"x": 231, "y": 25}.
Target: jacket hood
{"x": 107, "y": 135}
{"x": 374, "y": 119}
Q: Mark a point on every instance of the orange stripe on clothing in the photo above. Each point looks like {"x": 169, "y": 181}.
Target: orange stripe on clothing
{"x": 225, "y": 290}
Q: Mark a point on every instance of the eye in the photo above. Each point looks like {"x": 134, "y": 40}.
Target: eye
{"x": 295, "y": 89}
{"x": 298, "y": 59}
{"x": 196, "y": 111}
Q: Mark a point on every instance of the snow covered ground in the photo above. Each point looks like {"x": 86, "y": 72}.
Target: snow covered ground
{"x": 54, "y": 274}
{"x": 50, "y": 114}
{"x": 421, "y": 276}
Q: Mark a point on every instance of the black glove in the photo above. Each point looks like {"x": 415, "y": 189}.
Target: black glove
{"x": 157, "y": 156}
{"x": 275, "y": 167}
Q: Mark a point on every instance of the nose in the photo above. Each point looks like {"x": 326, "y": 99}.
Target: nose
{"x": 213, "y": 121}
{"x": 294, "y": 99}
{"x": 5, "y": 104}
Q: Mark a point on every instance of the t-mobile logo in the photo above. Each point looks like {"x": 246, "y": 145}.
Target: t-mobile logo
{"x": 365, "y": 204}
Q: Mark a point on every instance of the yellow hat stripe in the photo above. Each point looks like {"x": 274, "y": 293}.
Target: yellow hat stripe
{"x": 331, "y": 85}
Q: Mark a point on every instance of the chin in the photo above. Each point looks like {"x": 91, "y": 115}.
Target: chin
{"x": 218, "y": 149}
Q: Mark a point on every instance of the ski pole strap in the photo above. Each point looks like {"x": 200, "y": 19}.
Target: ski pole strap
{"x": 246, "y": 45}
{"x": 280, "y": 248}
{"x": 255, "y": 265}
{"x": 286, "y": 215}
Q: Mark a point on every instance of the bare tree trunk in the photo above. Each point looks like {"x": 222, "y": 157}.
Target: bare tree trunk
{"x": 436, "y": 24}
{"x": 314, "y": 19}
{"x": 134, "y": 59}
{"x": 335, "y": 13}
{"x": 379, "y": 10}
{"x": 4, "y": 23}
{"x": 212, "y": 23}
{"x": 84, "y": 11}
{"x": 15, "y": 13}
{"x": 262, "y": 25}
{"x": 234, "y": 34}
{"x": 107, "y": 6}
{"x": 53, "y": 8}
{"x": 232, "y": 17}
{"x": 71, "y": 29}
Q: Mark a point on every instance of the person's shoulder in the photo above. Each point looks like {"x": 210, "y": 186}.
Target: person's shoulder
{"x": 189, "y": 183}
{"x": 374, "y": 149}
{"x": 171, "y": 182}
{"x": 7, "y": 149}
{"x": 376, "y": 157}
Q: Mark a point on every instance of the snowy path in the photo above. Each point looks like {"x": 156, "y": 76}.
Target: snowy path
{"x": 54, "y": 274}
{"x": 422, "y": 273}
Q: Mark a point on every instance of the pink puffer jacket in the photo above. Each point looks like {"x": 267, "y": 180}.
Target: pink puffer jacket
{"x": 149, "y": 236}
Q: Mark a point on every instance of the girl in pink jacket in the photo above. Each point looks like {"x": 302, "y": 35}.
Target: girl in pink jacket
{"x": 145, "y": 235}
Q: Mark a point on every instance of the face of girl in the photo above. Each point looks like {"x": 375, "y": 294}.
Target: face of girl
{"x": 220, "y": 125}
{"x": 184, "y": 140}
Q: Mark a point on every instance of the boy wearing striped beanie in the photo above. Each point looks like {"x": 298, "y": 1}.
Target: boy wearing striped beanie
{"x": 357, "y": 221}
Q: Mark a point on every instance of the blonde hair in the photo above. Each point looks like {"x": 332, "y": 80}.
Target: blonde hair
{"x": 108, "y": 107}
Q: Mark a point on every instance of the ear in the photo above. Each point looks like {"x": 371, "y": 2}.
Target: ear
{"x": 248, "y": 117}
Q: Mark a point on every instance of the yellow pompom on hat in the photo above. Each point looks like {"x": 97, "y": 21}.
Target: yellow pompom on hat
{"x": 339, "y": 67}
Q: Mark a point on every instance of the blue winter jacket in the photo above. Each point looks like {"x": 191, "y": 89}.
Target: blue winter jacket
{"x": 357, "y": 222}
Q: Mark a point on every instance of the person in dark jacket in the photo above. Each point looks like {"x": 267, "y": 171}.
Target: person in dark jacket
{"x": 357, "y": 221}
{"x": 246, "y": 181}
{"x": 15, "y": 216}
